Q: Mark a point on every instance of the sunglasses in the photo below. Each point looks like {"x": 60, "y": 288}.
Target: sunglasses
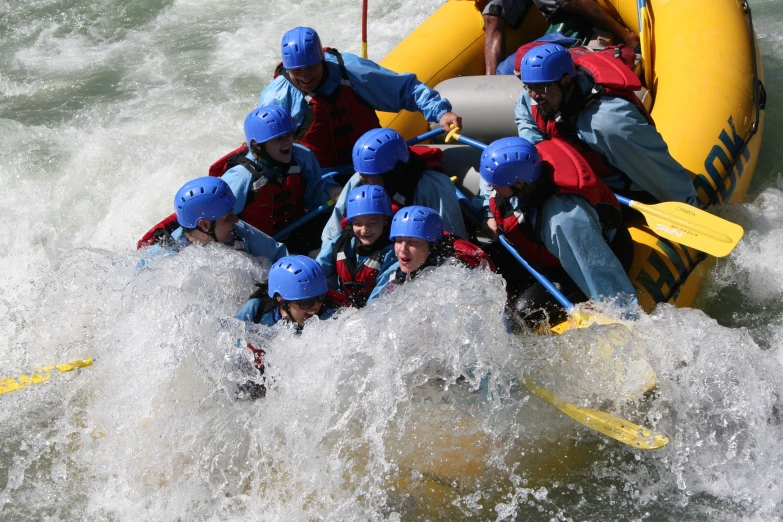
{"x": 538, "y": 88}
{"x": 307, "y": 304}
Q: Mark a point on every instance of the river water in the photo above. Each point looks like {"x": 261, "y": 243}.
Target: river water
{"x": 107, "y": 107}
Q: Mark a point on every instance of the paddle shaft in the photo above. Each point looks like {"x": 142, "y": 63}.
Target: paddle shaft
{"x": 304, "y": 219}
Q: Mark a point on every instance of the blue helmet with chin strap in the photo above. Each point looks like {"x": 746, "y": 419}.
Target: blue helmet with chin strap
{"x": 378, "y": 151}
{"x": 301, "y": 47}
{"x": 368, "y": 200}
{"x": 416, "y": 221}
{"x": 296, "y": 277}
{"x": 546, "y": 63}
{"x": 207, "y": 198}
{"x": 267, "y": 123}
{"x": 508, "y": 160}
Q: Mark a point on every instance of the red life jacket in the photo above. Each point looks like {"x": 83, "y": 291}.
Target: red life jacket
{"x": 160, "y": 233}
{"x": 273, "y": 201}
{"x": 571, "y": 174}
{"x": 333, "y": 122}
{"x": 356, "y": 281}
{"x": 613, "y": 77}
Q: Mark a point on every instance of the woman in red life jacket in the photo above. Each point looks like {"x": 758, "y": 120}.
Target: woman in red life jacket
{"x": 276, "y": 181}
{"x": 420, "y": 242}
{"x": 557, "y": 213}
{"x": 353, "y": 260}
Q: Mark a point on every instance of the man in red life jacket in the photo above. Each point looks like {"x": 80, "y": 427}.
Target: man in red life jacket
{"x": 594, "y": 109}
{"x": 557, "y": 213}
{"x": 498, "y": 13}
{"x": 332, "y": 97}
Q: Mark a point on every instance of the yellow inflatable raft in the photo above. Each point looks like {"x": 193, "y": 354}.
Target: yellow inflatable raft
{"x": 703, "y": 68}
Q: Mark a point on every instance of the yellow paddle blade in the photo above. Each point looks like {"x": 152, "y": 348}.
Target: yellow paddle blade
{"x": 607, "y": 424}
{"x": 691, "y": 227}
{"x": 579, "y": 319}
{"x": 10, "y": 384}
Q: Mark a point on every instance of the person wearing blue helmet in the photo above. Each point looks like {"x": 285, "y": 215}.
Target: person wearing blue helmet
{"x": 498, "y": 13}
{"x": 559, "y": 215}
{"x": 333, "y": 96}
{"x": 381, "y": 157}
{"x": 420, "y": 241}
{"x": 276, "y": 181}
{"x": 204, "y": 211}
{"x": 353, "y": 260}
{"x": 295, "y": 291}
{"x": 590, "y": 104}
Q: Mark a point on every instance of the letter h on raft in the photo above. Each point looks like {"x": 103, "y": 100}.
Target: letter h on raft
{"x": 722, "y": 188}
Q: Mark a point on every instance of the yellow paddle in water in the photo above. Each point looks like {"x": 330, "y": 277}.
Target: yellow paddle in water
{"x": 10, "y": 384}
{"x": 689, "y": 226}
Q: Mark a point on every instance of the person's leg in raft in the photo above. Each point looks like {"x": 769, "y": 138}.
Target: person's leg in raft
{"x": 571, "y": 231}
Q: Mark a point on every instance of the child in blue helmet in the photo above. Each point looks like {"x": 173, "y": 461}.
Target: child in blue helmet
{"x": 353, "y": 260}
{"x": 204, "y": 212}
{"x": 420, "y": 242}
{"x": 276, "y": 181}
{"x": 381, "y": 157}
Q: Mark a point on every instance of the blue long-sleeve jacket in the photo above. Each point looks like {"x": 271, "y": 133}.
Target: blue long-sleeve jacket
{"x": 381, "y": 88}
{"x": 241, "y": 180}
{"x": 615, "y": 128}
{"x": 326, "y": 259}
{"x": 434, "y": 190}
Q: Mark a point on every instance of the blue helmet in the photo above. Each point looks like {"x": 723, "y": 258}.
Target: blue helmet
{"x": 207, "y": 198}
{"x": 421, "y": 222}
{"x": 366, "y": 200}
{"x": 295, "y": 278}
{"x": 378, "y": 151}
{"x": 267, "y": 123}
{"x": 547, "y": 63}
{"x": 301, "y": 47}
{"x": 508, "y": 160}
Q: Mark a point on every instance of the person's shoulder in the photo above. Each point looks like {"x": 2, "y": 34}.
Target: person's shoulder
{"x": 300, "y": 152}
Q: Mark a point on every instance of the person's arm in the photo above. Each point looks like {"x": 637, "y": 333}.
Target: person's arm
{"x": 259, "y": 244}
{"x": 435, "y": 190}
{"x": 239, "y": 180}
{"x": 281, "y": 92}
{"x": 481, "y": 202}
{"x": 315, "y": 193}
{"x": 615, "y": 128}
{"x": 523, "y": 116}
{"x": 249, "y": 310}
{"x": 383, "y": 281}
{"x": 386, "y": 90}
{"x": 326, "y": 260}
{"x": 333, "y": 228}
{"x": 494, "y": 42}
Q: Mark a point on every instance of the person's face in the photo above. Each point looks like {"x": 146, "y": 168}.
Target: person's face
{"x": 301, "y": 311}
{"x": 368, "y": 179}
{"x": 507, "y": 192}
{"x": 368, "y": 229}
{"x": 411, "y": 252}
{"x": 224, "y": 227}
{"x": 279, "y": 149}
{"x": 549, "y": 96}
{"x": 307, "y": 78}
